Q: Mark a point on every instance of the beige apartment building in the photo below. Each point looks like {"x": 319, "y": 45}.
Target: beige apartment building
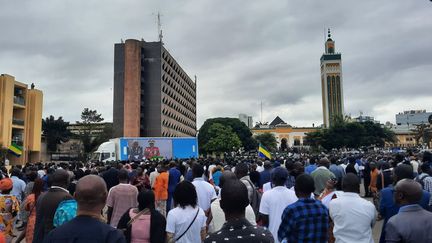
{"x": 20, "y": 119}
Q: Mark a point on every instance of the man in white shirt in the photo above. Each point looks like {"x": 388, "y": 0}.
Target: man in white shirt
{"x": 154, "y": 175}
{"x": 353, "y": 216}
{"x": 274, "y": 201}
{"x": 205, "y": 191}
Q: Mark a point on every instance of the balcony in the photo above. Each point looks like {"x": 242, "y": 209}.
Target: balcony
{"x": 18, "y": 100}
{"x": 18, "y": 141}
{"x": 18, "y": 122}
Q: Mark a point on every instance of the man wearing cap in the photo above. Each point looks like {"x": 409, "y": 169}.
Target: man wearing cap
{"x": 151, "y": 151}
{"x": 274, "y": 201}
{"x": 9, "y": 206}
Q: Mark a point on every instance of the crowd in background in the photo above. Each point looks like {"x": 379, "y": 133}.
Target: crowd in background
{"x": 295, "y": 198}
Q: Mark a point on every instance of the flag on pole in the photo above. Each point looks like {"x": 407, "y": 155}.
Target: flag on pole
{"x": 263, "y": 152}
{"x": 15, "y": 149}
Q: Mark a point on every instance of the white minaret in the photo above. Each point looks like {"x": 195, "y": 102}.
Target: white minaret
{"x": 331, "y": 83}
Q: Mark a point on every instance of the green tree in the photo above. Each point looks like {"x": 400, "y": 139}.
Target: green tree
{"x": 242, "y": 131}
{"x": 55, "y": 132}
{"x": 223, "y": 139}
{"x": 90, "y": 121}
{"x": 348, "y": 134}
{"x": 268, "y": 140}
{"x": 422, "y": 132}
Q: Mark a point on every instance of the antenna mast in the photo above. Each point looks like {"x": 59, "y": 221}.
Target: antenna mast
{"x": 261, "y": 113}
{"x": 159, "y": 27}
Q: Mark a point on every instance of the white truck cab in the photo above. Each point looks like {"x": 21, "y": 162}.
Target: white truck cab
{"x": 106, "y": 152}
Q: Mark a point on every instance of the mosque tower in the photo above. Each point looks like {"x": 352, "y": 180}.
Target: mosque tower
{"x": 331, "y": 83}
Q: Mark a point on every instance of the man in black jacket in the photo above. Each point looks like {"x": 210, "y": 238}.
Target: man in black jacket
{"x": 47, "y": 204}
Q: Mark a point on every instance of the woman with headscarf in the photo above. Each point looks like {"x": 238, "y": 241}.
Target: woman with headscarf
{"x": 143, "y": 224}
{"x": 9, "y": 208}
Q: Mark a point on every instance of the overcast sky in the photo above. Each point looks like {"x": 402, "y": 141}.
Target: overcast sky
{"x": 243, "y": 52}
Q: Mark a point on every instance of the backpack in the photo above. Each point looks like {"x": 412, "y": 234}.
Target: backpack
{"x": 256, "y": 199}
{"x": 421, "y": 180}
{"x": 65, "y": 212}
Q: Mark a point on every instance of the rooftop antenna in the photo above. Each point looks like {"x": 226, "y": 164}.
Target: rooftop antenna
{"x": 159, "y": 27}
{"x": 261, "y": 113}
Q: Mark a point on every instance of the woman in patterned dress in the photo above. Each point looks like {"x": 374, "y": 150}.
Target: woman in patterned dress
{"x": 9, "y": 208}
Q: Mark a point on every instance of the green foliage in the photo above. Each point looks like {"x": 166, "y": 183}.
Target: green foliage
{"x": 347, "y": 134}
{"x": 268, "y": 140}
{"x": 222, "y": 139}
{"x": 90, "y": 117}
{"x": 242, "y": 131}
{"x": 55, "y": 132}
{"x": 90, "y": 120}
{"x": 422, "y": 132}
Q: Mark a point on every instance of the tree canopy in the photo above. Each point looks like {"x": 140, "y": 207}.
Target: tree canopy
{"x": 350, "y": 135}
{"x": 268, "y": 140}
{"x": 238, "y": 127}
{"x": 222, "y": 139}
{"x": 55, "y": 132}
{"x": 89, "y": 122}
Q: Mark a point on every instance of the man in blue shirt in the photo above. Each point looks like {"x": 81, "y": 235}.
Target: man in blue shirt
{"x": 338, "y": 171}
{"x": 173, "y": 179}
{"x": 306, "y": 220}
{"x": 265, "y": 176}
{"x": 388, "y": 207}
{"x": 311, "y": 167}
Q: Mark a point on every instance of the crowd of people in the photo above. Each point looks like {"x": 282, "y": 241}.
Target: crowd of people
{"x": 296, "y": 198}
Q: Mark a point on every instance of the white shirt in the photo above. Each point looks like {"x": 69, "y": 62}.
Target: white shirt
{"x": 179, "y": 219}
{"x": 273, "y": 203}
{"x": 415, "y": 165}
{"x": 260, "y": 168}
{"x": 267, "y": 187}
{"x": 219, "y": 216}
{"x": 327, "y": 199}
{"x": 353, "y": 218}
{"x": 205, "y": 192}
{"x": 153, "y": 176}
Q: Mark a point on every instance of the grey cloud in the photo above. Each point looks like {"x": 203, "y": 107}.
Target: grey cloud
{"x": 242, "y": 52}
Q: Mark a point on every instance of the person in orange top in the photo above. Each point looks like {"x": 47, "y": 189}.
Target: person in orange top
{"x": 160, "y": 189}
{"x": 373, "y": 183}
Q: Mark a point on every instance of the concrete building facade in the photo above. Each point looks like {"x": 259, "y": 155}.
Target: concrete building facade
{"x": 285, "y": 134}
{"x": 413, "y": 117}
{"x": 331, "y": 83}
{"x": 153, "y": 95}
{"x": 20, "y": 119}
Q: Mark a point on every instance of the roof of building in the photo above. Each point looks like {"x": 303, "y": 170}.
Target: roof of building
{"x": 277, "y": 121}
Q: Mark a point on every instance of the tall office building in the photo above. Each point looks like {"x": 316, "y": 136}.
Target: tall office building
{"x": 20, "y": 120}
{"x": 247, "y": 120}
{"x": 153, "y": 95}
{"x": 331, "y": 83}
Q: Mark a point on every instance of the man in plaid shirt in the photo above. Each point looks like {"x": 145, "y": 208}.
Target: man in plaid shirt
{"x": 307, "y": 219}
